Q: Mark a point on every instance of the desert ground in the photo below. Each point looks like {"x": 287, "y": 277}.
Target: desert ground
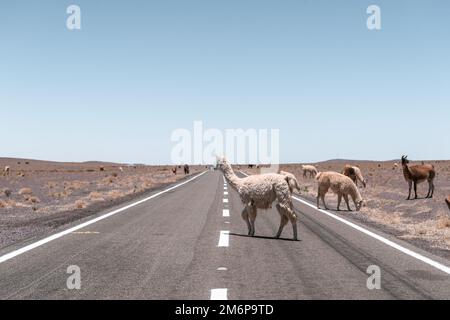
{"x": 39, "y": 195}
{"x": 423, "y": 222}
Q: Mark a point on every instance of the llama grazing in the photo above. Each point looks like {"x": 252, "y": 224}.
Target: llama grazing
{"x": 341, "y": 185}
{"x": 355, "y": 174}
{"x": 293, "y": 183}
{"x": 447, "y": 200}
{"x": 417, "y": 174}
{"x": 186, "y": 169}
{"x": 259, "y": 192}
{"x": 6, "y": 171}
{"x": 311, "y": 170}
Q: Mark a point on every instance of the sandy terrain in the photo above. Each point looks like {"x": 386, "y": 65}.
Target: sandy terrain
{"x": 38, "y": 195}
{"x": 424, "y": 222}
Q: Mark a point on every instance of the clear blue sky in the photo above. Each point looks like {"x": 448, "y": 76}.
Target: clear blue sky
{"x": 137, "y": 70}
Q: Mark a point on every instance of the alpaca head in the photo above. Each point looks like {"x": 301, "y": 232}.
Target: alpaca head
{"x": 222, "y": 163}
{"x": 405, "y": 160}
{"x": 360, "y": 204}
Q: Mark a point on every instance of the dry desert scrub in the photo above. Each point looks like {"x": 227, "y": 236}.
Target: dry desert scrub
{"x": 80, "y": 204}
{"x": 96, "y": 196}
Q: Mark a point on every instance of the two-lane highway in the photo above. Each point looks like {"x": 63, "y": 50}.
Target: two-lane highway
{"x": 190, "y": 243}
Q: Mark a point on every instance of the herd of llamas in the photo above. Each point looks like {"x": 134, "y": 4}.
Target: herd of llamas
{"x": 262, "y": 190}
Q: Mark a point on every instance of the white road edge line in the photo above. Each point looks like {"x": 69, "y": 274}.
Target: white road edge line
{"x": 224, "y": 238}
{"x": 390, "y": 243}
{"x": 39, "y": 243}
{"x": 219, "y": 294}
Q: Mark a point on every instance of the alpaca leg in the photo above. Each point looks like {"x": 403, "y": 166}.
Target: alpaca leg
{"x": 415, "y": 190}
{"x": 293, "y": 218}
{"x": 410, "y": 187}
{"x": 318, "y": 199}
{"x": 432, "y": 189}
{"x": 346, "y": 201}
{"x": 429, "y": 190}
{"x": 284, "y": 220}
{"x": 339, "y": 201}
{"x": 252, "y": 218}
{"x": 323, "y": 201}
{"x": 245, "y": 217}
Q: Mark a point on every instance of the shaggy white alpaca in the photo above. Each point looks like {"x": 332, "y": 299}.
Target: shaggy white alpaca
{"x": 259, "y": 192}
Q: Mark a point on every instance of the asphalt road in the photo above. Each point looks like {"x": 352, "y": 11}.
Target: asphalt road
{"x": 171, "y": 247}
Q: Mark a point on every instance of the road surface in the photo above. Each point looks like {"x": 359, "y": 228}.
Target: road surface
{"x": 190, "y": 243}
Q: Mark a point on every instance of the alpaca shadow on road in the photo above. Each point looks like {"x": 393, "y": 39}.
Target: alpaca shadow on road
{"x": 418, "y": 198}
{"x": 264, "y": 237}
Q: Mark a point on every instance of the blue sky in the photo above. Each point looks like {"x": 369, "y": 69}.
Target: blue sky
{"x": 137, "y": 70}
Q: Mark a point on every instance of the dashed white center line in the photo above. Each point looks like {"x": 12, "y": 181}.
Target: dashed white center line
{"x": 224, "y": 238}
{"x": 225, "y": 193}
{"x": 226, "y": 212}
{"x": 222, "y": 269}
{"x": 219, "y": 294}
{"x": 225, "y": 200}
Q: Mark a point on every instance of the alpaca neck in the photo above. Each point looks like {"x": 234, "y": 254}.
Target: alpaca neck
{"x": 406, "y": 172}
{"x": 231, "y": 176}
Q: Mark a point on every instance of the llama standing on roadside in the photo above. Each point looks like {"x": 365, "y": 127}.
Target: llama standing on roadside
{"x": 6, "y": 171}
{"x": 259, "y": 192}
{"x": 309, "y": 170}
{"x": 341, "y": 185}
{"x": 174, "y": 170}
{"x": 355, "y": 174}
{"x": 186, "y": 169}
{"x": 417, "y": 174}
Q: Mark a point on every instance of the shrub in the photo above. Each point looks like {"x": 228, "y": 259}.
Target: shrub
{"x": 80, "y": 204}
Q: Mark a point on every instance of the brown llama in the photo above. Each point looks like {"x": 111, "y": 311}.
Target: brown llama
{"x": 418, "y": 174}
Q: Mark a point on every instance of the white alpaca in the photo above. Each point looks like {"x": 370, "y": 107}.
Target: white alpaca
{"x": 259, "y": 192}
{"x": 292, "y": 180}
{"x": 341, "y": 185}
{"x": 311, "y": 170}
